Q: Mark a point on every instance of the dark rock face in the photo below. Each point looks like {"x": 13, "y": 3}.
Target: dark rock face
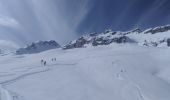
{"x": 104, "y": 38}
{"x": 157, "y": 43}
{"x": 102, "y": 41}
{"x": 93, "y": 34}
{"x": 78, "y": 43}
{"x": 98, "y": 40}
{"x": 137, "y": 30}
{"x": 158, "y": 29}
{"x": 168, "y": 42}
{"x": 38, "y": 47}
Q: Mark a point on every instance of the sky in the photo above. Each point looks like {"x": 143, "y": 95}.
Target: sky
{"x": 26, "y": 21}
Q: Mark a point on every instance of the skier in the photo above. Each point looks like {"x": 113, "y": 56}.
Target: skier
{"x": 45, "y": 63}
{"x": 42, "y": 61}
{"x": 54, "y": 59}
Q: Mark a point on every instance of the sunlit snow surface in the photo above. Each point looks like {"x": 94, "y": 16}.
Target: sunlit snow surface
{"x": 113, "y": 72}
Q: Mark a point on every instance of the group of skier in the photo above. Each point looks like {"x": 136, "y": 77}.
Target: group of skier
{"x": 44, "y": 62}
{"x": 53, "y": 59}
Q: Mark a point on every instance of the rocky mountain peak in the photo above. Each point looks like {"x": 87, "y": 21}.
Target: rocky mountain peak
{"x": 37, "y": 47}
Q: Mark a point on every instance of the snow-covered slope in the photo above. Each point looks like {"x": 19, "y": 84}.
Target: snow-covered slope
{"x": 110, "y": 72}
{"x": 38, "y": 47}
{"x": 113, "y": 66}
{"x": 156, "y": 37}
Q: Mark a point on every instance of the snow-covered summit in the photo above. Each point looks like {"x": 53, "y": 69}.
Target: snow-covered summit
{"x": 157, "y": 37}
{"x": 37, "y": 47}
{"x": 96, "y": 39}
{"x": 158, "y": 29}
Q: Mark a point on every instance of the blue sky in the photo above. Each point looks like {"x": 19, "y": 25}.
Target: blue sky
{"x": 126, "y": 14}
{"x": 24, "y": 21}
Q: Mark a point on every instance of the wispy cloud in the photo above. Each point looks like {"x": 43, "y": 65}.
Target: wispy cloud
{"x": 32, "y": 20}
{"x": 151, "y": 12}
{"x": 60, "y": 18}
{"x": 8, "y": 21}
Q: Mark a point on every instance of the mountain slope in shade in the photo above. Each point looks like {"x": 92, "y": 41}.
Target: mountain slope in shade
{"x": 38, "y": 47}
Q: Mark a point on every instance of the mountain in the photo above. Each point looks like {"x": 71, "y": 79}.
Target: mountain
{"x": 37, "y": 47}
{"x": 96, "y": 39}
{"x": 155, "y": 37}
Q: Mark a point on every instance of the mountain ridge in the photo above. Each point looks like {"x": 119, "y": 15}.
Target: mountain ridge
{"x": 150, "y": 37}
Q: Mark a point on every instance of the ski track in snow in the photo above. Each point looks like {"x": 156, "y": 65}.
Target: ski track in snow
{"x": 121, "y": 75}
{"x": 139, "y": 92}
{"x": 6, "y": 95}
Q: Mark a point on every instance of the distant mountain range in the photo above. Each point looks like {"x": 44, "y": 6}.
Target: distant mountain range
{"x": 154, "y": 37}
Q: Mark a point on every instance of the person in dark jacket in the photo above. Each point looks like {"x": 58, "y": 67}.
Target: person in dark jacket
{"x": 42, "y": 61}
{"x": 45, "y": 63}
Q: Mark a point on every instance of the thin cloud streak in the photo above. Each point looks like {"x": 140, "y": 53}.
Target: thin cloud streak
{"x": 32, "y": 20}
